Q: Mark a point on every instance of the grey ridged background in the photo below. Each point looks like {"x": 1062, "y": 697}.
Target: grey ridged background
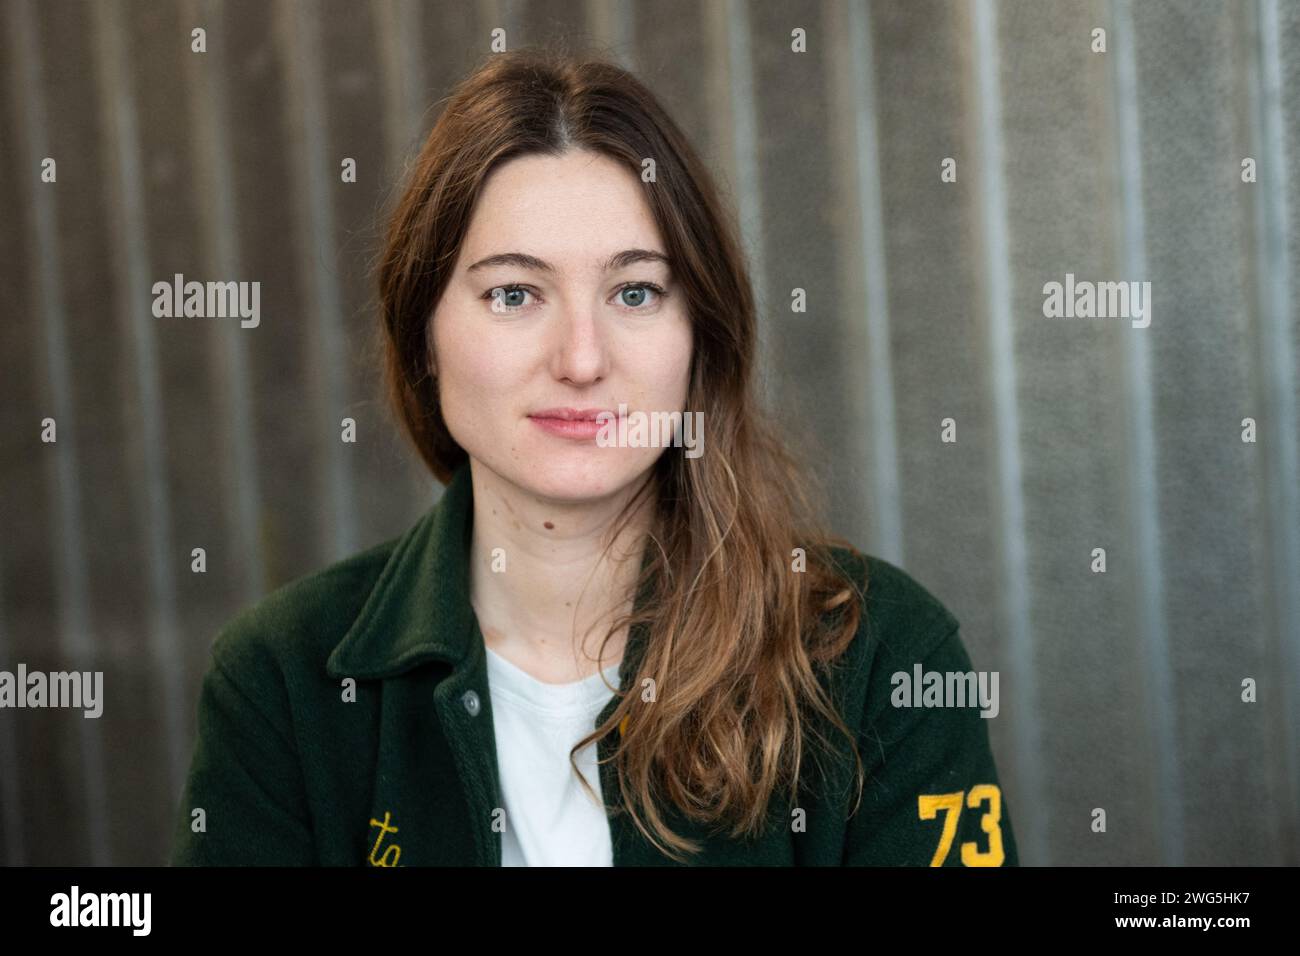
{"x": 1119, "y": 690}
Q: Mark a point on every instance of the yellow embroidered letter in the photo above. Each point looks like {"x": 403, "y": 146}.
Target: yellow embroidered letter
{"x": 394, "y": 849}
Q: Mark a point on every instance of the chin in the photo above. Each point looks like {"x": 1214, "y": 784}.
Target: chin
{"x": 580, "y": 473}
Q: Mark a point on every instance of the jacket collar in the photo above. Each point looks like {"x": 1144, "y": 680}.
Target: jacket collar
{"x": 419, "y": 609}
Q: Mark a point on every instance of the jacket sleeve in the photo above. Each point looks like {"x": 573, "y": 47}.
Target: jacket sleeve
{"x": 245, "y": 774}
{"x": 931, "y": 795}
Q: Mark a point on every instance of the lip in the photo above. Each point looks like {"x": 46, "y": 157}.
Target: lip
{"x": 572, "y": 414}
{"x": 575, "y": 423}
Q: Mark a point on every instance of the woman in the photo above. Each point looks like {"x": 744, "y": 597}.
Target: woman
{"x": 596, "y": 610}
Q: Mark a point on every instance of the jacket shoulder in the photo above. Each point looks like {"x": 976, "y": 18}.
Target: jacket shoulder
{"x": 900, "y": 622}
{"x": 897, "y": 610}
{"x": 299, "y": 623}
{"x": 247, "y": 763}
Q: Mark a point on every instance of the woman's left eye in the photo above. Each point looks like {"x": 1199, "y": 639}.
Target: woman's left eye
{"x": 638, "y": 291}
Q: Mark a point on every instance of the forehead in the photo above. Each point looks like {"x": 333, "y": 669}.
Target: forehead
{"x": 573, "y": 210}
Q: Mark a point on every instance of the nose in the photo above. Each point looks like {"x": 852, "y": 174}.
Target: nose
{"x": 579, "y": 352}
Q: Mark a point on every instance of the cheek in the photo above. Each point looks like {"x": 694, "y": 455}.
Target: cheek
{"x": 477, "y": 378}
{"x": 462, "y": 379}
{"x": 668, "y": 365}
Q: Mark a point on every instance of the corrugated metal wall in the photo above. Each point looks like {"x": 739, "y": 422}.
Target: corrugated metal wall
{"x": 925, "y": 302}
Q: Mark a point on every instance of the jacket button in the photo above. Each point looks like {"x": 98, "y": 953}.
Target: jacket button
{"x": 470, "y": 700}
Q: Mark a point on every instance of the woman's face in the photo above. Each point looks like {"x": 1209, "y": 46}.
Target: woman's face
{"x": 546, "y": 312}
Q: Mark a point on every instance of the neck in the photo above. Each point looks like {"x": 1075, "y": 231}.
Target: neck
{"x": 549, "y": 608}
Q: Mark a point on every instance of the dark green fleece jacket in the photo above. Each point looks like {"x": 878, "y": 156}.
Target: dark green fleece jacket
{"x": 296, "y": 765}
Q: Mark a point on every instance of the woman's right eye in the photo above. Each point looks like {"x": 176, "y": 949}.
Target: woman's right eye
{"x": 506, "y": 298}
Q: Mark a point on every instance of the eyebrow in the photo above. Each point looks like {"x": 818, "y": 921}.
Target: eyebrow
{"x": 522, "y": 260}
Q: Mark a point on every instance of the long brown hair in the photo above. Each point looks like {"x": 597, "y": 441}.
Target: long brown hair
{"x": 734, "y": 635}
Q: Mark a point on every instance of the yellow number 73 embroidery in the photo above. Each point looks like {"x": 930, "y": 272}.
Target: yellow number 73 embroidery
{"x": 929, "y": 805}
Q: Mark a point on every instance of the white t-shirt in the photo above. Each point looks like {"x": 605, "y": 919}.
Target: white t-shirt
{"x": 550, "y": 819}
